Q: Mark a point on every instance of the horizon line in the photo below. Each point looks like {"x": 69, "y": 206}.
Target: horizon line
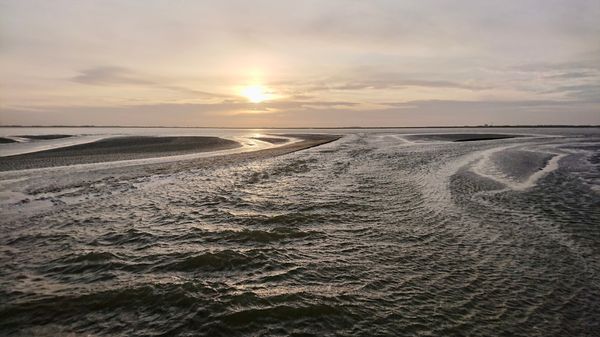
{"x": 314, "y": 127}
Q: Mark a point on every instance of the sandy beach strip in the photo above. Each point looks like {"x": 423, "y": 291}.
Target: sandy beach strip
{"x": 114, "y": 149}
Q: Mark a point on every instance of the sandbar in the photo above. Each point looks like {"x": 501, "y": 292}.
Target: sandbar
{"x": 114, "y": 149}
{"x": 460, "y": 137}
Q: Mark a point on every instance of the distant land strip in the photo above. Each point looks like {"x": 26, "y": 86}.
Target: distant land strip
{"x": 308, "y": 127}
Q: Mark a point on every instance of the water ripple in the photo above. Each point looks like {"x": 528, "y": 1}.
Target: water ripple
{"x": 370, "y": 235}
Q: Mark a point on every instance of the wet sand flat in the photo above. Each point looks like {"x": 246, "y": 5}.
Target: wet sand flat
{"x": 45, "y": 137}
{"x": 6, "y": 140}
{"x": 117, "y": 148}
{"x": 460, "y": 137}
{"x": 308, "y": 141}
{"x": 104, "y": 152}
{"x": 272, "y": 140}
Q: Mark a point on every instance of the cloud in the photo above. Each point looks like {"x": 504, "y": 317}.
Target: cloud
{"x": 329, "y": 61}
{"x": 573, "y": 75}
{"x": 120, "y": 76}
{"x": 483, "y": 105}
{"x": 110, "y": 75}
{"x": 402, "y": 83}
{"x": 582, "y": 66}
{"x": 369, "y": 81}
{"x": 588, "y": 92}
{"x": 323, "y": 114}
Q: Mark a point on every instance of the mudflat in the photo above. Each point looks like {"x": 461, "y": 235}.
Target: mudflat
{"x": 460, "y": 137}
{"x": 116, "y": 148}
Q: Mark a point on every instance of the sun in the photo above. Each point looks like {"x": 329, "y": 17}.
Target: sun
{"x": 256, "y": 93}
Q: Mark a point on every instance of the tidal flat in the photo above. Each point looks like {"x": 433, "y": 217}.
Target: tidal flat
{"x": 317, "y": 233}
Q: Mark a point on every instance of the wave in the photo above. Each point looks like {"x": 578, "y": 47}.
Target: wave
{"x": 218, "y": 261}
{"x": 371, "y": 235}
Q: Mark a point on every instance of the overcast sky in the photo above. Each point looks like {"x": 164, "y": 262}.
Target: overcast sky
{"x": 323, "y": 63}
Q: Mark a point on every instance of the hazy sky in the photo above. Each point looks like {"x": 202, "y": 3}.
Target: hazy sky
{"x": 323, "y": 63}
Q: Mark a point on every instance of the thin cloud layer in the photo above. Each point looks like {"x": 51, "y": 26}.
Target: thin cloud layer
{"x": 333, "y": 63}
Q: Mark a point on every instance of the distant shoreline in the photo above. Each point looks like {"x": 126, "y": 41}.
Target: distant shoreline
{"x": 305, "y": 128}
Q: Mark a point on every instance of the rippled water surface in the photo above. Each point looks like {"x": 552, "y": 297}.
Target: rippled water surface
{"x": 373, "y": 234}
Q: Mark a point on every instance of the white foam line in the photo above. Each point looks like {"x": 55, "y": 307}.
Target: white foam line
{"x": 551, "y": 166}
{"x": 531, "y": 181}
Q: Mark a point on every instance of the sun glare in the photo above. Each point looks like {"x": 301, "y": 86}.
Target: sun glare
{"x": 256, "y": 93}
